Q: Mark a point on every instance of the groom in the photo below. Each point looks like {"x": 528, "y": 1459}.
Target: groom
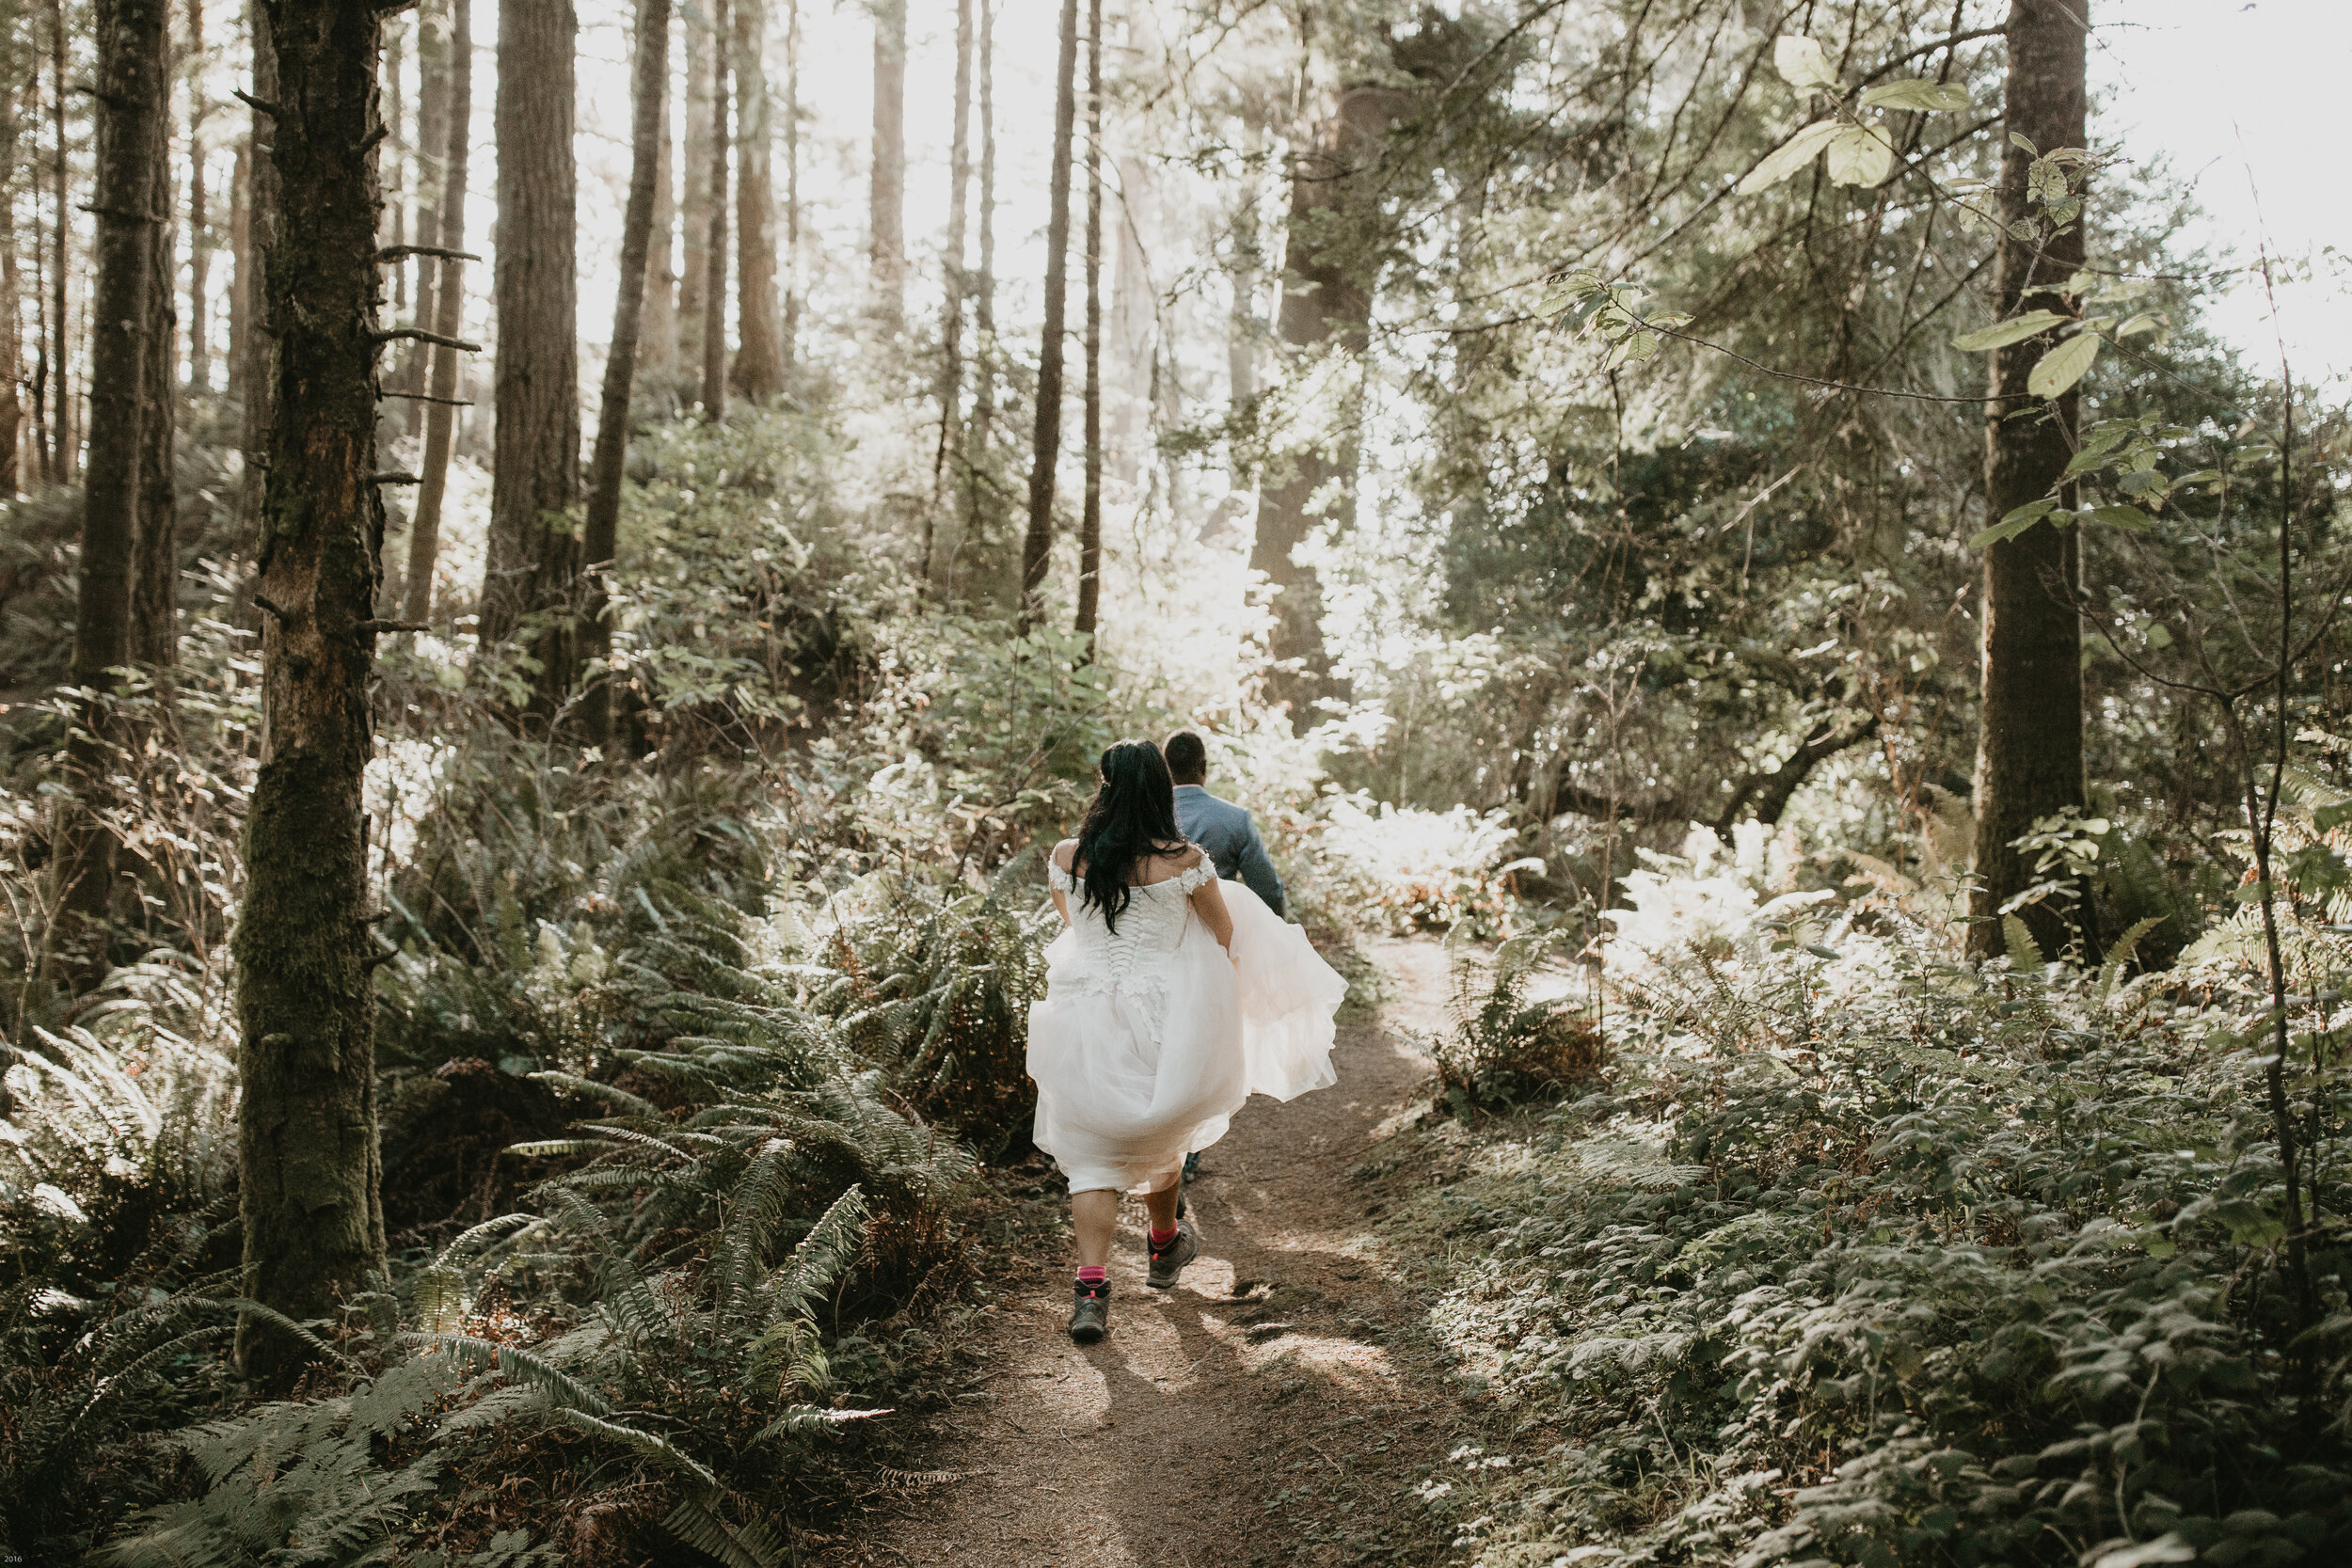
{"x": 1220, "y": 827}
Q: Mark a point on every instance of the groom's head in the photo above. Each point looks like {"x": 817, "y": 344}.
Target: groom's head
{"x": 1188, "y": 758}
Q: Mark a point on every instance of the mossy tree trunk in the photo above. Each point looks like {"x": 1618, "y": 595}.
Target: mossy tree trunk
{"x": 886, "y": 188}
{"x": 757, "y": 374}
{"x": 1326, "y": 306}
{"x": 713, "y": 337}
{"x": 602, "y": 536}
{"x": 1037, "y": 541}
{"x": 308, "y": 1165}
{"x": 2029, "y": 745}
{"x": 531, "y": 581}
{"x": 154, "y": 536}
{"x": 449, "y": 314}
{"x": 131, "y": 97}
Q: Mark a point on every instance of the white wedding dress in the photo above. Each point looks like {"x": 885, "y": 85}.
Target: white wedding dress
{"x": 1149, "y": 1038}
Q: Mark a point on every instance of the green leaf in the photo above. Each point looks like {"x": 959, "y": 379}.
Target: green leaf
{"x": 1927, "y": 97}
{"x": 1860, "y": 156}
{"x": 2014, "y": 524}
{"x": 2130, "y": 517}
{"x": 2063, "y": 366}
{"x": 2328, "y": 818}
{"x": 1791, "y": 156}
{"x": 2250, "y": 1223}
{"x": 2016, "y": 140}
{"x": 1801, "y": 63}
{"x": 2014, "y": 330}
{"x": 2144, "y": 322}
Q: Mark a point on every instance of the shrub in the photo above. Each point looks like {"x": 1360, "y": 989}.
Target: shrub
{"x": 1506, "y": 1045}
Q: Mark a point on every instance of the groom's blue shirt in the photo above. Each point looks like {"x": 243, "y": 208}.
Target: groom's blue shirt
{"x": 1224, "y": 830}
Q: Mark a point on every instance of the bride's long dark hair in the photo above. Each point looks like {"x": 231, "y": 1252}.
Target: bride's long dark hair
{"x": 1131, "y": 817}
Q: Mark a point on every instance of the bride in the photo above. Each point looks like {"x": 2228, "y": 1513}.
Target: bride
{"x": 1171, "y": 998}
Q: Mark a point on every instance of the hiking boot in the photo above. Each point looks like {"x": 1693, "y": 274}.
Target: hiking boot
{"x": 1090, "y": 1313}
{"x": 1169, "y": 1260}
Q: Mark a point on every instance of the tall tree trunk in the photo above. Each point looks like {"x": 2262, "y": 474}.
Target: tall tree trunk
{"x": 714, "y": 334}
{"x": 791, "y": 185}
{"x": 1036, "y": 544}
{"x": 1090, "y": 515}
{"x": 240, "y": 265}
{"x": 259, "y": 363}
{"x": 887, "y": 184}
{"x": 532, "y": 573}
{"x": 1325, "y": 304}
{"x": 130, "y": 100}
{"x": 758, "y": 371}
{"x": 951, "y": 448}
{"x": 154, "y": 553}
{"x": 308, "y": 1158}
{"x": 2030, "y": 748}
{"x": 199, "y": 216}
{"x": 602, "y": 535}
{"x": 657, "y": 335}
{"x": 62, "y": 400}
{"x": 448, "y": 316}
{"x": 983, "y": 427}
{"x": 435, "y": 44}
{"x": 11, "y": 328}
{"x": 694, "y": 202}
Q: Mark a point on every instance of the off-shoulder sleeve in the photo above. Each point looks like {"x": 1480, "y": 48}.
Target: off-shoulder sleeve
{"x": 1202, "y": 873}
{"x": 1058, "y": 880}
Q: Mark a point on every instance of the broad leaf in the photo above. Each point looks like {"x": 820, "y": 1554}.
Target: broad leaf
{"x": 1802, "y": 63}
{"x": 2014, "y": 524}
{"x": 2014, "y": 330}
{"x": 1927, "y": 97}
{"x": 1860, "y": 156}
{"x": 2130, "y": 517}
{"x": 2063, "y": 366}
{"x": 2144, "y": 322}
{"x": 1791, "y": 156}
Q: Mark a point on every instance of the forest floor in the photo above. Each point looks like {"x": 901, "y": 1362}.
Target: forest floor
{"x": 1275, "y": 1408}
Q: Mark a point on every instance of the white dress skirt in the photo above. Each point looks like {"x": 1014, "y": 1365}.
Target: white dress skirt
{"x": 1150, "y": 1038}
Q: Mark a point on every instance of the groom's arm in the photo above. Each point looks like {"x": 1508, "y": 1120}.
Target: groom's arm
{"x": 1257, "y": 871}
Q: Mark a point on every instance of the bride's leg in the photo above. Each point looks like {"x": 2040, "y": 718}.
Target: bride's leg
{"x": 1094, "y": 1214}
{"x": 1161, "y": 1206}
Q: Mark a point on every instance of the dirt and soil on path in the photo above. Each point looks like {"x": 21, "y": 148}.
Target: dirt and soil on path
{"x": 1275, "y": 1408}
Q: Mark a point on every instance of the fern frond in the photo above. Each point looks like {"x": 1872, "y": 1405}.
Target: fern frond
{"x": 802, "y": 1419}
{"x": 517, "y": 1365}
{"x": 2025, "y": 953}
{"x": 750, "y": 1546}
{"x": 652, "y": 1445}
{"x": 2119, "y": 963}
{"x": 606, "y": 1092}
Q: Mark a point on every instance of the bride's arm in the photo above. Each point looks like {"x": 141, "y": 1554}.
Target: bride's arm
{"x": 1208, "y": 902}
{"x": 1064, "y": 857}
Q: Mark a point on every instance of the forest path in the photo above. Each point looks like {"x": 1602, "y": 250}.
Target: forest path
{"x": 1270, "y": 1409}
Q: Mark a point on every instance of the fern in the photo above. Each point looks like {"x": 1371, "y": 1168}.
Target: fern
{"x": 2025, "y": 953}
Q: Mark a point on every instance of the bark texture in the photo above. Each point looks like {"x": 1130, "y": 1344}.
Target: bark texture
{"x": 714, "y": 328}
{"x": 656, "y": 338}
{"x": 434, "y": 32}
{"x": 602, "y": 534}
{"x": 1326, "y": 306}
{"x": 791, "y": 185}
{"x": 308, "y": 1158}
{"x": 2030, "y": 749}
{"x": 887, "y": 193}
{"x": 240, "y": 265}
{"x": 1036, "y": 544}
{"x": 1090, "y": 510}
{"x": 951, "y": 450}
{"x": 758, "y": 370}
{"x": 449, "y": 314}
{"x": 695, "y": 201}
{"x": 130, "y": 88}
{"x": 66, "y": 441}
{"x": 155, "y": 537}
{"x": 199, "y": 215}
{"x": 11, "y": 332}
{"x": 532, "y": 574}
{"x": 257, "y": 365}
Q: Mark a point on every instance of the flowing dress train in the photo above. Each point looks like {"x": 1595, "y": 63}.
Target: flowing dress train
{"x": 1149, "y": 1038}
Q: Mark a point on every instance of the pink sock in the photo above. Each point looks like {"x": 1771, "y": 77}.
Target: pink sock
{"x": 1093, "y": 1274}
{"x": 1161, "y": 1238}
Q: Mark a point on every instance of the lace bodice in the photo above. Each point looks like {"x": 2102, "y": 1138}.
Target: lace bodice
{"x": 1130, "y": 958}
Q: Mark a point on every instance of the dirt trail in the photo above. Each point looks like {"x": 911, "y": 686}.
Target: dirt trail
{"x": 1271, "y": 1409}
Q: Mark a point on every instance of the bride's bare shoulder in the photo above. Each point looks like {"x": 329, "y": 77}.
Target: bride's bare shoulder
{"x": 1066, "y": 853}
